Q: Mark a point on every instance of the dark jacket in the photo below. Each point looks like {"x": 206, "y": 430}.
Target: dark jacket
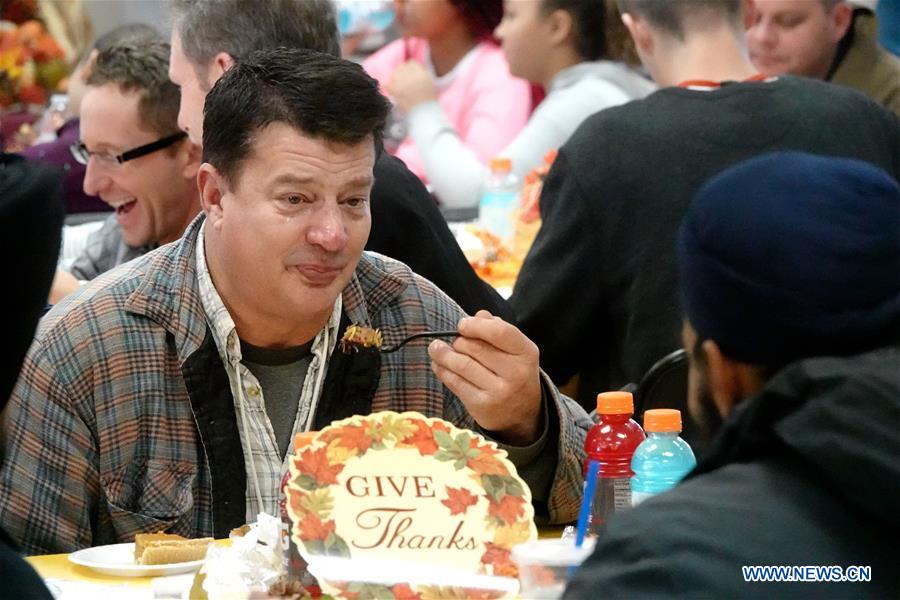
{"x": 31, "y": 216}
{"x": 598, "y": 290}
{"x": 805, "y": 473}
{"x": 407, "y": 226}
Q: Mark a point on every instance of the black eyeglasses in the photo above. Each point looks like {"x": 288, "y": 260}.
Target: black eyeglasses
{"x": 83, "y": 155}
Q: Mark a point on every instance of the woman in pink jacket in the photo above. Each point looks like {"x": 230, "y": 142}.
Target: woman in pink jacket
{"x": 447, "y": 71}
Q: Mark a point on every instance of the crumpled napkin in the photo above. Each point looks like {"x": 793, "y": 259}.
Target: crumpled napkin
{"x": 253, "y": 562}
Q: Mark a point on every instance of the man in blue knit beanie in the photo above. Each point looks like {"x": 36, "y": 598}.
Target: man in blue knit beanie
{"x": 785, "y": 257}
{"x": 790, "y": 276}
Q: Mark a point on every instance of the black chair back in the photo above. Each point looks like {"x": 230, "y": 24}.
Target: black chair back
{"x": 665, "y": 385}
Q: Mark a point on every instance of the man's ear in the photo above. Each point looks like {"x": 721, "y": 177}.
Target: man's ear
{"x": 841, "y": 20}
{"x": 723, "y": 378}
{"x": 640, "y": 32}
{"x": 193, "y": 159}
{"x": 221, "y": 63}
{"x": 561, "y": 28}
{"x": 212, "y": 188}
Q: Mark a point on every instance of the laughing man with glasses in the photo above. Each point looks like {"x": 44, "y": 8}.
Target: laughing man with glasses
{"x": 137, "y": 159}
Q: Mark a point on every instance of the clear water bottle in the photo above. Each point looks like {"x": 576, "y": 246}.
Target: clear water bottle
{"x": 53, "y": 118}
{"x": 358, "y": 16}
{"x": 663, "y": 459}
{"x": 395, "y": 130}
{"x": 499, "y": 199}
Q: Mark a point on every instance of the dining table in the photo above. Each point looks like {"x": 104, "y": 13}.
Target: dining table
{"x": 68, "y": 581}
{"x": 496, "y": 261}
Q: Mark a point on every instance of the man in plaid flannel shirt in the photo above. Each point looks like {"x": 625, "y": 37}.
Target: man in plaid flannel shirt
{"x": 144, "y": 391}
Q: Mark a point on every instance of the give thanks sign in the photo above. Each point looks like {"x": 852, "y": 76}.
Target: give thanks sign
{"x": 407, "y": 488}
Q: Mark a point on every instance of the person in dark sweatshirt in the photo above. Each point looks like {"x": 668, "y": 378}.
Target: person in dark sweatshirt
{"x": 790, "y": 274}
{"x": 31, "y": 218}
{"x": 598, "y": 291}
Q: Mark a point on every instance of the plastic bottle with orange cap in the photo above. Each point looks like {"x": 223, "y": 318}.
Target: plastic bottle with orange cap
{"x": 499, "y": 200}
{"x": 611, "y": 442}
{"x": 663, "y": 459}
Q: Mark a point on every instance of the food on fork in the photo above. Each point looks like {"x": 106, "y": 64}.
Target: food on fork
{"x": 357, "y": 337}
{"x": 165, "y": 548}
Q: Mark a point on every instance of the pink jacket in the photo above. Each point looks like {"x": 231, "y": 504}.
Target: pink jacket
{"x": 485, "y": 104}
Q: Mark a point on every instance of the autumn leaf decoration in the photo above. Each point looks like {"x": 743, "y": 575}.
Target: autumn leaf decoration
{"x": 459, "y": 500}
{"x": 422, "y": 437}
{"x": 500, "y": 560}
{"x": 457, "y": 449}
{"x": 318, "y": 466}
{"x": 313, "y": 528}
{"x": 315, "y": 469}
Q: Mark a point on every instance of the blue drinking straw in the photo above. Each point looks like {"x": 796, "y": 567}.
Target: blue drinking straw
{"x": 585, "y": 512}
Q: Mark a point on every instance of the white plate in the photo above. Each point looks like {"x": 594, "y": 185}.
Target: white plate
{"x": 118, "y": 560}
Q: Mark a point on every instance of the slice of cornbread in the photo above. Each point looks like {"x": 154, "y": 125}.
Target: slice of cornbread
{"x": 165, "y": 548}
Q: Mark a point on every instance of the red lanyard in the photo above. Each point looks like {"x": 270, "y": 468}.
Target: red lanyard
{"x": 705, "y": 83}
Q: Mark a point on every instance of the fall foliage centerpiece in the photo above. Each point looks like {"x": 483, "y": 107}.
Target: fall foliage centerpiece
{"x": 32, "y": 64}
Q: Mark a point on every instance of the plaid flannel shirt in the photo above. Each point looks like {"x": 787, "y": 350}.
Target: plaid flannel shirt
{"x": 101, "y": 437}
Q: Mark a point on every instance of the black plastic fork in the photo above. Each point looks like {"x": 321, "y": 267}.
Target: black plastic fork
{"x": 425, "y": 334}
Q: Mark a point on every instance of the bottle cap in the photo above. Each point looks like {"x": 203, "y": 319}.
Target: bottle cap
{"x": 615, "y": 403}
{"x": 304, "y": 438}
{"x": 501, "y": 164}
{"x": 662, "y": 420}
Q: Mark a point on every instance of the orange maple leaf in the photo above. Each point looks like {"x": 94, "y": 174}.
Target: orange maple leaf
{"x": 315, "y": 463}
{"x": 509, "y": 509}
{"x": 313, "y": 528}
{"x": 500, "y": 560}
{"x": 494, "y": 553}
{"x": 355, "y": 438}
{"x": 295, "y": 500}
{"x": 423, "y": 438}
{"x": 486, "y": 464}
{"x": 507, "y": 569}
{"x": 402, "y": 591}
{"x": 459, "y": 500}
{"x": 486, "y": 448}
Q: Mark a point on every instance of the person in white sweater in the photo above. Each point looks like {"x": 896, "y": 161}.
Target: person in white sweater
{"x": 562, "y": 45}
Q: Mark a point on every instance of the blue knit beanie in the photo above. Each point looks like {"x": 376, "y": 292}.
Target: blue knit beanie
{"x": 791, "y": 255}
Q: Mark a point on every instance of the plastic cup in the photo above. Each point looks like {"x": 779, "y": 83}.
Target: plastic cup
{"x": 545, "y": 566}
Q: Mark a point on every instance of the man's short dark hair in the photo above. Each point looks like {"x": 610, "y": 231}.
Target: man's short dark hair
{"x": 320, "y": 95}
{"x": 129, "y": 33}
{"x": 142, "y": 68}
{"x": 672, "y": 16}
{"x": 239, "y": 27}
